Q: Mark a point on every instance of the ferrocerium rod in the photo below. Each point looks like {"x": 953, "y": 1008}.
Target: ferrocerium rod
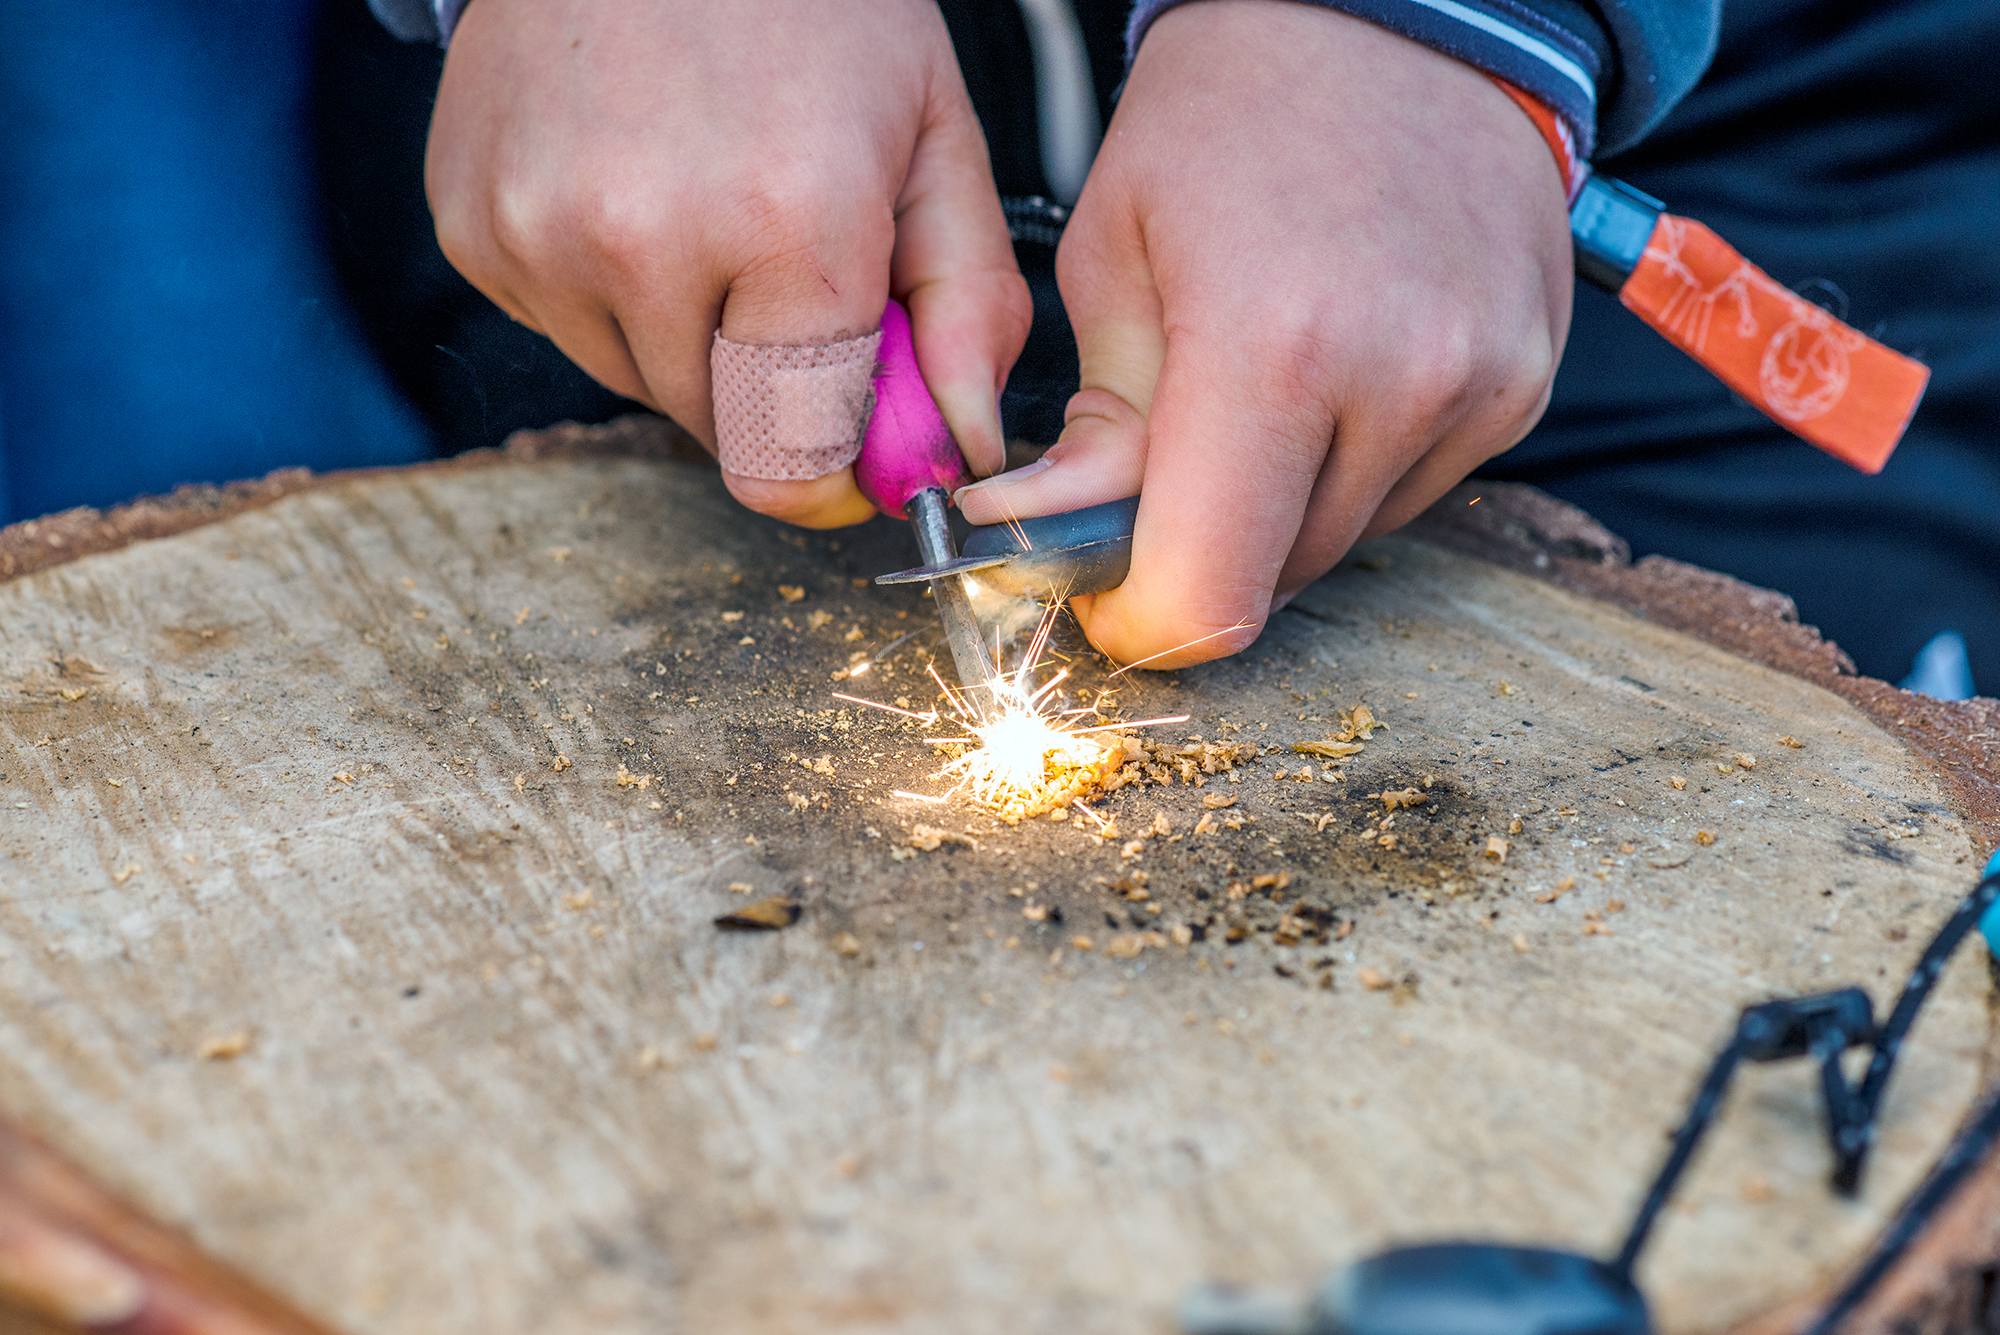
{"x": 930, "y": 519}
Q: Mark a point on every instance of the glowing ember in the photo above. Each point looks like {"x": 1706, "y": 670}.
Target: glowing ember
{"x": 1027, "y": 759}
{"x": 1026, "y": 763}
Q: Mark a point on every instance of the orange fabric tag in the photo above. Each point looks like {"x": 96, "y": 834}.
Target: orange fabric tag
{"x": 1813, "y": 375}
{"x": 1555, "y": 133}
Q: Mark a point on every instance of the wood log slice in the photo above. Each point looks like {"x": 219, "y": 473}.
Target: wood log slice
{"x": 363, "y": 851}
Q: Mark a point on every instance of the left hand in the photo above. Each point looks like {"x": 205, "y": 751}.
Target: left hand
{"x": 1318, "y": 274}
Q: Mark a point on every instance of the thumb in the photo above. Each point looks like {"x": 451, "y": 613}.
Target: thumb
{"x": 954, "y": 268}
{"x": 1114, "y": 308}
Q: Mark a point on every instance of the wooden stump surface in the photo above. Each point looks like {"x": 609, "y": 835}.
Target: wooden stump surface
{"x": 331, "y": 935}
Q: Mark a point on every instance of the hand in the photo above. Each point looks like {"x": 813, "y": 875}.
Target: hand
{"x": 626, "y": 175}
{"x": 1318, "y": 274}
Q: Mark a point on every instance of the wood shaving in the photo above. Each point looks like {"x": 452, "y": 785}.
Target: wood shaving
{"x": 1704, "y": 837}
{"x": 1744, "y": 761}
{"x": 227, "y": 1048}
{"x": 1374, "y": 979}
{"x": 930, "y": 838}
{"x": 1216, "y": 801}
{"x": 627, "y": 779}
{"x": 1357, "y": 722}
{"x": 560, "y": 763}
{"x": 1329, "y": 750}
{"x": 847, "y": 945}
{"x": 1403, "y": 797}
{"x": 1791, "y": 741}
{"x": 766, "y": 915}
{"x": 791, "y": 593}
{"x": 1271, "y": 880}
{"x": 1678, "y": 782}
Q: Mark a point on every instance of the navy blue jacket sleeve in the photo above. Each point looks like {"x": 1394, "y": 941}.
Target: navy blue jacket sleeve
{"x": 1612, "y": 70}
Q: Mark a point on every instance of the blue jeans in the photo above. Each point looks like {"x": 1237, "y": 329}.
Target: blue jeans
{"x": 166, "y": 311}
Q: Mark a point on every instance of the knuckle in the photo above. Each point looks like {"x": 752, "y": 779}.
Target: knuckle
{"x": 516, "y": 223}
{"x": 798, "y": 233}
{"x": 1294, "y": 348}
{"x": 1441, "y": 363}
{"x": 622, "y": 227}
{"x": 786, "y": 207}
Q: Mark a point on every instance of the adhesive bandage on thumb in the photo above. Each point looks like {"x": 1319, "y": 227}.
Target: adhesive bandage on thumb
{"x": 792, "y": 413}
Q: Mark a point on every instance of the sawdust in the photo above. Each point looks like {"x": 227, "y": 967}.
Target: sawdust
{"x": 1124, "y": 761}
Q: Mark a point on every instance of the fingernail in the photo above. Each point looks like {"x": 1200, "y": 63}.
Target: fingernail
{"x": 1007, "y": 479}
{"x": 1278, "y": 601}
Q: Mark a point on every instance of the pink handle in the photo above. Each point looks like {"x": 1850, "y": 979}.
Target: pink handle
{"x": 908, "y": 446}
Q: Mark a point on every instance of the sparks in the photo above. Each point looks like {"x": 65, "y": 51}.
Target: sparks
{"x": 1025, "y": 755}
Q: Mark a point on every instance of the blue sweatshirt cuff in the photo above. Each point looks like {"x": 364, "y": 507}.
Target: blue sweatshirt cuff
{"x": 1501, "y": 37}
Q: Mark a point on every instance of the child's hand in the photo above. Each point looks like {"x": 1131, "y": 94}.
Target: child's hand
{"x": 628, "y": 175}
{"x": 1318, "y": 274}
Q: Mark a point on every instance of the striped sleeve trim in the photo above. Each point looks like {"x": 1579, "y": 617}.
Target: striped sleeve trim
{"x": 1504, "y": 38}
{"x": 419, "y": 20}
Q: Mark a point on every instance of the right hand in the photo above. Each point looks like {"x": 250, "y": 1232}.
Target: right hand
{"x": 628, "y": 176}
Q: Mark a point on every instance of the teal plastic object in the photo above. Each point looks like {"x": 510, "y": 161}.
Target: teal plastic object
{"x": 1989, "y": 921}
